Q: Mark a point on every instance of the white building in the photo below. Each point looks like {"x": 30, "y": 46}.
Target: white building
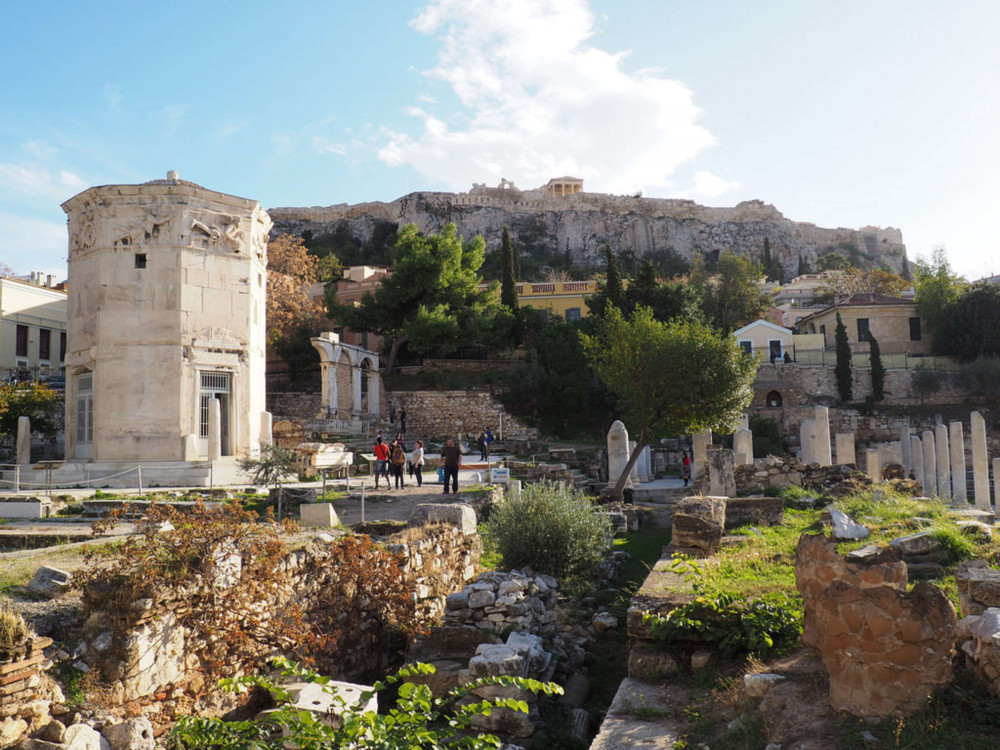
{"x": 32, "y": 328}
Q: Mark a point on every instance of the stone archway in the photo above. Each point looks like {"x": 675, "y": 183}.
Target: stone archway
{"x": 773, "y": 398}
{"x": 350, "y": 382}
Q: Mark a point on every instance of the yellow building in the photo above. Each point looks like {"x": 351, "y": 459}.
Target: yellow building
{"x": 567, "y": 299}
{"x": 32, "y": 328}
{"x": 894, "y": 322}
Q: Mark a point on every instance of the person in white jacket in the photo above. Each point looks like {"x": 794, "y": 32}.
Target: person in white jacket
{"x": 417, "y": 462}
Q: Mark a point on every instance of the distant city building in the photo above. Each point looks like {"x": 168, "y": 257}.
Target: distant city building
{"x": 356, "y": 282}
{"x": 893, "y": 321}
{"x": 32, "y": 327}
{"x": 567, "y": 299}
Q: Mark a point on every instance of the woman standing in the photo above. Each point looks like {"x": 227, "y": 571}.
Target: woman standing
{"x": 417, "y": 462}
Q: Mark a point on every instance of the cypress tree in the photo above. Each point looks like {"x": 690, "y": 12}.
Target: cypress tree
{"x": 878, "y": 371}
{"x": 843, "y": 367}
{"x": 613, "y": 285}
{"x": 508, "y": 282}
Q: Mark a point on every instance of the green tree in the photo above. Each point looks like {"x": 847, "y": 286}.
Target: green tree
{"x": 833, "y": 261}
{"x": 731, "y": 296}
{"x": 508, "y": 284}
{"x": 770, "y": 263}
{"x": 613, "y": 281}
{"x": 430, "y": 302}
{"x": 32, "y": 400}
{"x": 668, "y": 299}
{"x": 971, "y": 328}
{"x": 878, "y": 370}
{"x": 670, "y": 378}
{"x": 938, "y": 289}
{"x": 842, "y": 370}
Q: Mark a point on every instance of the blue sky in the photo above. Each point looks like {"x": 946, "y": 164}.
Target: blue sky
{"x": 845, "y": 114}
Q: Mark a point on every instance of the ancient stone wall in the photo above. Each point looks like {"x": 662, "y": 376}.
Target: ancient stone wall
{"x": 26, "y": 693}
{"x": 159, "y": 652}
{"x": 440, "y": 414}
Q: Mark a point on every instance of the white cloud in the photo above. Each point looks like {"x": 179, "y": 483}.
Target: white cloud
{"x": 28, "y": 244}
{"x": 36, "y": 181}
{"x": 323, "y": 146}
{"x": 707, "y": 185}
{"x": 539, "y": 102}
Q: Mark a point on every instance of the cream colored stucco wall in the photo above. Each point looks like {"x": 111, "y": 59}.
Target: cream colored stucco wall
{"x": 36, "y": 307}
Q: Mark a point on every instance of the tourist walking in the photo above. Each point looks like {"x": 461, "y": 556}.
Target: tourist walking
{"x": 451, "y": 460}
{"x": 481, "y": 444}
{"x": 397, "y": 457}
{"x": 417, "y": 462}
{"x": 402, "y": 419}
{"x": 381, "y": 451}
{"x": 686, "y": 469}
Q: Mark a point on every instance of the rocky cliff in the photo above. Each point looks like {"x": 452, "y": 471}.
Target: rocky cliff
{"x": 579, "y": 224}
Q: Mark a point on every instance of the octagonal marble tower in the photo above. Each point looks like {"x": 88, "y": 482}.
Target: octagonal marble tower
{"x": 166, "y": 315}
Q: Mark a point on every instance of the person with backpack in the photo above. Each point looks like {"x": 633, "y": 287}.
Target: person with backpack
{"x": 397, "y": 457}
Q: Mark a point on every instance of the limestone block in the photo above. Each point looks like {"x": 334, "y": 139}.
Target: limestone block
{"x": 743, "y": 447}
{"x": 721, "y": 477}
{"x": 318, "y": 514}
{"x": 942, "y": 461}
{"x": 916, "y": 544}
{"x": 959, "y": 490}
{"x": 84, "y": 737}
{"x": 757, "y": 685}
{"x": 131, "y": 734}
{"x": 845, "y": 448}
{"x": 493, "y": 660}
{"x": 873, "y": 465}
{"x": 617, "y": 451}
{"x": 821, "y": 447}
{"x": 845, "y": 527}
{"x": 929, "y": 480}
{"x": 460, "y": 515}
{"x": 980, "y": 461}
{"x": 699, "y": 523}
{"x": 50, "y": 583}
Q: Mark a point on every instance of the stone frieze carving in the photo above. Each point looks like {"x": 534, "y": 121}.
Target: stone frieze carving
{"x": 218, "y": 232}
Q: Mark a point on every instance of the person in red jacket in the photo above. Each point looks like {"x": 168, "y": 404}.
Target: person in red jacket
{"x": 381, "y": 451}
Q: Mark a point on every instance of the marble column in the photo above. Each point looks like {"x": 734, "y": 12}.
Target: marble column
{"x": 873, "y": 464}
{"x": 930, "y": 464}
{"x": 23, "y": 450}
{"x": 634, "y": 476}
{"x": 743, "y": 447}
{"x": 845, "y": 448}
{"x": 617, "y": 451}
{"x": 214, "y": 429}
{"x": 956, "y": 436}
{"x": 888, "y": 453}
{"x": 266, "y": 428}
{"x": 823, "y": 454}
{"x": 647, "y": 463}
{"x": 980, "y": 461}
{"x": 942, "y": 460}
{"x": 807, "y": 440}
{"x": 917, "y": 456}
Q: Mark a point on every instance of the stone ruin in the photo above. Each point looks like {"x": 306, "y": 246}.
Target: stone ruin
{"x": 886, "y": 649}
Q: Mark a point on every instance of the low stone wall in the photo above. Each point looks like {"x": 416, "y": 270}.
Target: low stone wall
{"x": 159, "y": 652}
{"x": 26, "y": 693}
{"x": 440, "y": 414}
{"x": 782, "y": 472}
{"x": 887, "y": 650}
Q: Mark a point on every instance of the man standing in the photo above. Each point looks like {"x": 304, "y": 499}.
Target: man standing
{"x": 402, "y": 420}
{"x": 381, "y": 451}
{"x": 451, "y": 460}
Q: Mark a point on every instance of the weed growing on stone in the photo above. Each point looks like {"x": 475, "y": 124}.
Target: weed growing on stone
{"x": 12, "y": 628}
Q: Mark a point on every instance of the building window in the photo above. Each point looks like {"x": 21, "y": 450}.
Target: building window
{"x": 21, "y": 342}
{"x": 572, "y": 313}
{"x": 863, "y": 333}
{"x": 44, "y": 343}
{"x": 62, "y": 346}
{"x": 915, "y": 329}
{"x": 774, "y": 349}
{"x": 140, "y": 260}
{"x": 747, "y": 347}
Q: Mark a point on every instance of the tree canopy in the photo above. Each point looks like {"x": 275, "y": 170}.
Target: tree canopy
{"x": 731, "y": 294}
{"x": 431, "y": 301}
{"x": 290, "y": 272}
{"x": 33, "y": 400}
{"x": 851, "y": 281}
{"x": 670, "y": 378}
{"x": 938, "y": 289}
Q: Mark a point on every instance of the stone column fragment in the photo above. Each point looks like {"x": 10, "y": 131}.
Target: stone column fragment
{"x": 930, "y": 464}
{"x": 873, "y": 464}
{"x": 996, "y": 487}
{"x": 743, "y": 447}
{"x": 917, "y": 456}
{"x": 904, "y": 444}
{"x": 823, "y": 455}
{"x": 617, "y": 451}
{"x": 699, "y": 448}
{"x": 24, "y": 440}
{"x": 845, "y": 448}
{"x": 959, "y": 490}
{"x": 942, "y": 458}
{"x": 807, "y": 440}
{"x": 980, "y": 461}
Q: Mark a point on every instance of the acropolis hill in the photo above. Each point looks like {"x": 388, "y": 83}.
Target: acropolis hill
{"x": 561, "y": 217}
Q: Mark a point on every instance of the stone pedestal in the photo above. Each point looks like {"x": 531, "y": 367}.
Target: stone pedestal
{"x": 617, "y": 451}
{"x": 980, "y": 461}
{"x": 845, "y": 448}
{"x": 959, "y": 491}
{"x": 266, "y": 428}
{"x": 873, "y": 464}
{"x": 721, "y": 479}
{"x": 699, "y": 445}
{"x": 930, "y": 465}
{"x": 822, "y": 455}
{"x": 23, "y": 441}
{"x": 743, "y": 447}
{"x": 214, "y": 430}
{"x": 942, "y": 458}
